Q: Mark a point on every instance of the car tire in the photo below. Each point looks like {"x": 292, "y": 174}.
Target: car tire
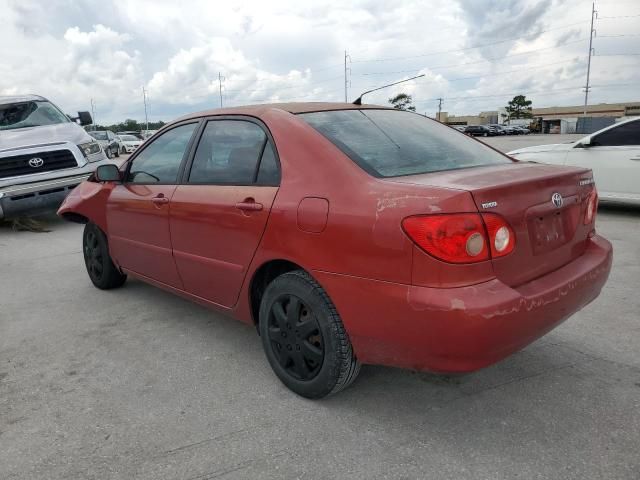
{"x": 117, "y": 152}
{"x": 303, "y": 337}
{"x": 123, "y": 151}
{"x": 108, "y": 152}
{"x": 95, "y": 248}
{"x": 485, "y": 134}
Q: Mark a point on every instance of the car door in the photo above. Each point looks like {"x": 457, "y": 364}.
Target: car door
{"x": 614, "y": 157}
{"x": 138, "y": 209}
{"x": 219, "y": 213}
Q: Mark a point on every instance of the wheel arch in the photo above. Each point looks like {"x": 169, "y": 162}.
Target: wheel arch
{"x": 262, "y": 277}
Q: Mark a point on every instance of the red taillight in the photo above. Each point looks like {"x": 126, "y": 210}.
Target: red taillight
{"x": 592, "y": 208}
{"x": 502, "y": 239}
{"x": 461, "y": 237}
{"x": 456, "y": 238}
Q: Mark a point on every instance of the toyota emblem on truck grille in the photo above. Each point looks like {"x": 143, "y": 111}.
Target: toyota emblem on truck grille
{"x": 36, "y": 162}
{"x": 556, "y": 198}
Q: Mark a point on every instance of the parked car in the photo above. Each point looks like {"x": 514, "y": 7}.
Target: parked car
{"x": 521, "y": 130}
{"x": 510, "y": 130}
{"x": 108, "y": 142}
{"x": 147, "y": 133}
{"x": 613, "y": 154}
{"x": 43, "y": 155}
{"x": 497, "y": 129}
{"x": 460, "y": 128}
{"x": 348, "y": 235}
{"x": 129, "y": 143}
{"x": 479, "y": 130}
{"x": 135, "y": 134}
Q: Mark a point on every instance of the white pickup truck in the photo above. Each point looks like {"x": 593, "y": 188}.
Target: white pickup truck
{"x": 43, "y": 155}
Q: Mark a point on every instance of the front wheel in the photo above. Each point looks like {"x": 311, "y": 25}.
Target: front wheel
{"x": 102, "y": 272}
{"x": 117, "y": 152}
{"x": 303, "y": 337}
{"x": 108, "y": 152}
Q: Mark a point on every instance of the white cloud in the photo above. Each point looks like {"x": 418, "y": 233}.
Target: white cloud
{"x": 286, "y": 50}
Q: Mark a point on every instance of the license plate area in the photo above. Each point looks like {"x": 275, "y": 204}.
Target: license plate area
{"x": 548, "y": 232}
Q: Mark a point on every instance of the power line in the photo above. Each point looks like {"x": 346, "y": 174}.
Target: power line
{"x": 481, "y": 61}
{"x": 618, "y": 16}
{"x": 389, "y": 59}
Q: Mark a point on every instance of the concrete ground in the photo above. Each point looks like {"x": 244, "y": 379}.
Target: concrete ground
{"x": 138, "y": 383}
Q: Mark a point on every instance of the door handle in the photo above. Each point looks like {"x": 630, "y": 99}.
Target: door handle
{"x": 249, "y": 205}
{"x": 160, "y": 199}
{"x": 635, "y": 159}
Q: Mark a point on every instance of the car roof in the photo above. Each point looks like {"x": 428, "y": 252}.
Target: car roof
{"x": 21, "y": 98}
{"x": 291, "y": 107}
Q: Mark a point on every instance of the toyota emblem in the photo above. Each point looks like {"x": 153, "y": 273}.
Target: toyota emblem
{"x": 556, "y": 199}
{"x": 36, "y": 162}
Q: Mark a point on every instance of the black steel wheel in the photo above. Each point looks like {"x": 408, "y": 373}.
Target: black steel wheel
{"x": 295, "y": 337}
{"x": 102, "y": 272}
{"x": 303, "y": 337}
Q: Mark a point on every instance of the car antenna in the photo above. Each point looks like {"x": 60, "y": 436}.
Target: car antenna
{"x": 358, "y": 101}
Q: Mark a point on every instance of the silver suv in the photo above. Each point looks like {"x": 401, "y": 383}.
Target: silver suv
{"x": 43, "y": 155}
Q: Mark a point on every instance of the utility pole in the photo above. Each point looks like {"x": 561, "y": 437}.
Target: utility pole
{"x": 346, "y": 83}
{"x": 594, "y": 14}
{"x": 220, "y": 80}
{"x": 93, "y": 114}
{"x": 439, "y": 107}
{"x": 144, "y": 98}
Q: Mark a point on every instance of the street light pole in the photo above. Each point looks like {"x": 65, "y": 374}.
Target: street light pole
{"x": 594, "y": 13}
{"x": 146, "y": 118}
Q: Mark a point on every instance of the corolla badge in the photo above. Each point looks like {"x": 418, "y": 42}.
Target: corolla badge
{"x": 36, "y": 162}
{"x": 556, "y": 199}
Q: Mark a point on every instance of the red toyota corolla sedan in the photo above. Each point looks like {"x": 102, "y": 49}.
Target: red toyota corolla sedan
{"x": 348, "y": 235}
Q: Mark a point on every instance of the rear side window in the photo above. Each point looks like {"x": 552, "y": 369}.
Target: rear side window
{"x": 392, "y": 143}
{"x": 228, "y": 153}
{"x": 622, "y": 135}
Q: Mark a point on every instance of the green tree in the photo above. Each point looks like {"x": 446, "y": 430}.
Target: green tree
{"x": 402, "y": 101}
{"x": 519, "y": 107}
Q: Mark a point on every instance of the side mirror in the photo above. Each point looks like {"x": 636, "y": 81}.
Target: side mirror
{"x": 108, "y": 173}
{"x": 85, "y": 118}
{"x": 584, "y": 142}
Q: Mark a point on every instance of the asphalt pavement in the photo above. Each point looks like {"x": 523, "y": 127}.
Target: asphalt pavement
{"x": 138, "y": 383}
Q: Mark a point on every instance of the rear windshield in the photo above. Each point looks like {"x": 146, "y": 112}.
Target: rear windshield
{"x": 392, "y": 143}
{"x": 99, "y": 135}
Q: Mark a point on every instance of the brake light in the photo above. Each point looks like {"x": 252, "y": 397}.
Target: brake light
{"x": 455, "y": 238}
{"x": 461, "y": 237}
{"x": 592, "y": 208}
{"x": 502, "y": 239}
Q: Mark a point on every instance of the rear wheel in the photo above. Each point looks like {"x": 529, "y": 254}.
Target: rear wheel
{"x": 123, "y": 151}
{"x": 102, "y": 272}
{"x": 303, "y": 337}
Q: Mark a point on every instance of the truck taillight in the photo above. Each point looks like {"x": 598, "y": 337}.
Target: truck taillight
{"x": 592, "y": 208}
{"x": 461, "y": 237}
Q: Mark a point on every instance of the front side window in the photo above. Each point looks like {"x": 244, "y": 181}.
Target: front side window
{"x": 160, "y": 161}
{"x": 228, "y": 153}
{"x": 30, "y": 114}
{"x": 621, "y": 135}
{"x": 391, "y": 143}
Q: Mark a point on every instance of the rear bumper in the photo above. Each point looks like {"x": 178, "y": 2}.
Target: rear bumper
{"x": 462, "y": 329}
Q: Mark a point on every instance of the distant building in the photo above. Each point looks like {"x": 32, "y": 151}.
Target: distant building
{"x": 556, "y": 119}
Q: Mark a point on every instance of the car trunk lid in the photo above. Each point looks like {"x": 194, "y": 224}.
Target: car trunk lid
{"x": 548, "y": 235}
